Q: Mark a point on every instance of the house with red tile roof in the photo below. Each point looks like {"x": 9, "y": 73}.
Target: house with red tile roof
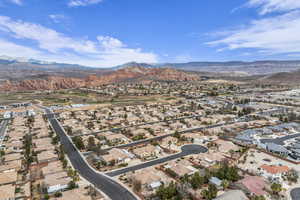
{"x": 273, "y": 172}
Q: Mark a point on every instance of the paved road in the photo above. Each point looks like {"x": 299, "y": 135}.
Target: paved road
{"x": 110, "y": 187}
{"x": 3, "y": 126}
{"x": 186, "y": 150}
{"x": 295, "y": 194}
{"x": 280, "y": 140}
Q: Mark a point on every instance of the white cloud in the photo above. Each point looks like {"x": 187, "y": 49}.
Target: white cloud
{"x": 110, "y": 42}
{"x": 269, "y": 35}
{"x": 57, "y": 18}
{"x": 12, "y": 49}
{"x": 51, "y": 45}
{"x": 46, "y": 38}
{"x": 269, "y": 6}
{"x": 18, "y": 2}
{"x": 76, "y": 3}
{"x": 273, "y": 35}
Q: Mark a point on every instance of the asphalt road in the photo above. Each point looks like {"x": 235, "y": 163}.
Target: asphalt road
{"x": 280, "y": 141}
{"x": 3, "y": 125}
{"x": 110, "y": 187}
{"x": 185, "y": 150}
{"x": 295, "y": 194}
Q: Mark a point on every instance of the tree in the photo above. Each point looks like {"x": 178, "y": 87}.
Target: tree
{"x": 210, "y": 193}
{"x": 196, "y": 181}
{"x": 72, "y": 185}
{"x": 168, "y": 192}
{"x": 137, "y": 185}
{"x": 258, "y": 197}
{"x": 225, "y": 184}
{"x": 228, "y": 173}
{"x": 276, "y": 188}
{"x": 177, "y": 135}
{"x": 78, "y": 142}
{"x": 91, "y": 143}
{"x": 55, "y": 140}
{"x": 58, "y": 194}
{"x": 169, "y": 144}
{"x": 292, "y": 176}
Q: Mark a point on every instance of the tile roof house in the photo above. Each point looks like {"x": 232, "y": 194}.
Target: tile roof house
{"x": 274, "y": 171}
{"x": 76, "y": 194}
{"x": 7, "y": 192}
{"x": 56, "y": 182}
{"x": 232, "y": 195}
{"x": 147, "y": 152}
{"x": 148, "y": 177}
{"x": 8, "y": 177}
{"x": 254, "y": 185}
{"x": 117, "y": 155}
{"x": 47, "y": 156}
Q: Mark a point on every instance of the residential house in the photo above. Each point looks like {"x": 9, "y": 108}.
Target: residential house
{"x": 56, "y": 182}
{"x": 216, "y": 182}
{"x": 7, "y": 192}
{"x": 75, "y": 194}
{"x": 47, "y": 156}
{"x": 232, "y": 195}
{"x": 253, "y": 185}
{"x": 147, "y": 152}
{"x": 117, "y": 156}
{"x": 273, "y": 172}
{"x": 8, "y": 177}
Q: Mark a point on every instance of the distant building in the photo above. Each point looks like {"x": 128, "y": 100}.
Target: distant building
{"x": 275, "y": 148}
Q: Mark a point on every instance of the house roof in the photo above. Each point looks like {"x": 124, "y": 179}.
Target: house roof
{"x": 7, "y": 191}
{"x": 78, "y": 194}
{"x": 215, "y": 181}
{"x": 254, "y": 184}
{"x": 147, "y": 176}
{"x": 276, "y": 148}
{"x": 8, "y": 177}
{"x": 46, "y": 155}
{"x": 57, "y": 178}
{"x": 146, "y": 149}
{"x": 116, "y": 154}
{"x": 52, "y": 167}
{"x": 275, "y": 169}
{"x": 232, "y": 194}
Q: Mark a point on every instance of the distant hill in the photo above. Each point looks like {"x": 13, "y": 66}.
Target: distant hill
{"x": 21, "y": 69}
{"x": 249, "y": 68}
{"x": 129, "y": 74}
{"x": 28, "y": 74}
{"x": 283, "y": 78}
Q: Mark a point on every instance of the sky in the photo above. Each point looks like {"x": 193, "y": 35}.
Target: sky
{"x": 105, "y": 33}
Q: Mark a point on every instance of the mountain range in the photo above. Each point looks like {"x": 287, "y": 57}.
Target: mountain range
{"x": 20, "y": 74}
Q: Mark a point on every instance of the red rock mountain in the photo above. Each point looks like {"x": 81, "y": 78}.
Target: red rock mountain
{"x": 137, "y": 74}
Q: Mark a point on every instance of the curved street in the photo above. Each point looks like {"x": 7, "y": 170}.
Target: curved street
{"x": 186, "y": 150}
{"x": 295, "y": 194}
{"x": 110, "y": 187}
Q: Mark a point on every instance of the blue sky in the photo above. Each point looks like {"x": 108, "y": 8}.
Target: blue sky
{"x": 104, "y": 33}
